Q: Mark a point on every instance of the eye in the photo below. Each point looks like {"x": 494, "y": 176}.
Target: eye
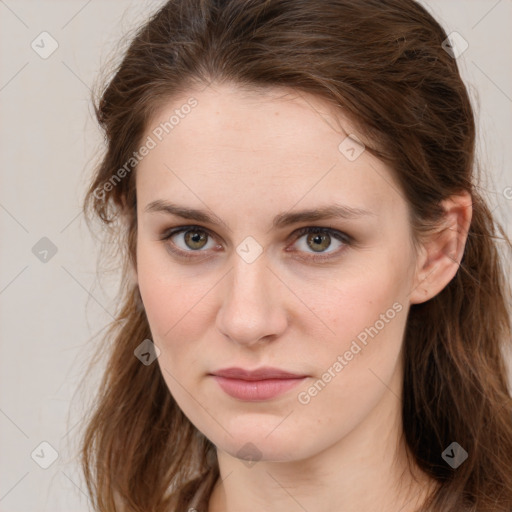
{"x": 194, "y": 240}
{"x": 317, "y": 239}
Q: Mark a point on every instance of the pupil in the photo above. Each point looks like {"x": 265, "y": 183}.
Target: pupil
{"x": 194, "y": 237}
{"x": 318, "y": 239}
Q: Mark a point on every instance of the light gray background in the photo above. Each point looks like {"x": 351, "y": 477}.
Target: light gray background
{"x": 52, "y": 313}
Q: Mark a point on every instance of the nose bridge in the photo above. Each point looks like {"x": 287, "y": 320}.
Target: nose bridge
{"x": 248, "y": 311}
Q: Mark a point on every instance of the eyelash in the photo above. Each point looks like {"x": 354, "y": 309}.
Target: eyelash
{"x": 338, "y": 235}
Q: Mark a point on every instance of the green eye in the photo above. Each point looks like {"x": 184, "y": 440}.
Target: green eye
{"x": 317, "y": 241}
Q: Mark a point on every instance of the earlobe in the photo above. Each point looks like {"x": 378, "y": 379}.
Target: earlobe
{"x": 443, "y": 249}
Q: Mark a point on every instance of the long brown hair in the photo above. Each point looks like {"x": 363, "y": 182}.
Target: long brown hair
{"x": 384, "y": 65}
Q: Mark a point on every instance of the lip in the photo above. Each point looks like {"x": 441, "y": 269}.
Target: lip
{"x": 256, "y": 385}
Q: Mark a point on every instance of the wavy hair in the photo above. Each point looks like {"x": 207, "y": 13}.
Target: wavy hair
{"x": 382, "y": 63}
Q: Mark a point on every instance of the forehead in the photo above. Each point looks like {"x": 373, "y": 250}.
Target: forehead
{"x": 274, "y": 145}
{"x": 251, "y": 119}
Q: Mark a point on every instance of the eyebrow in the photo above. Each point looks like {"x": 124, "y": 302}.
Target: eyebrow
{"x": 281, "y": 220}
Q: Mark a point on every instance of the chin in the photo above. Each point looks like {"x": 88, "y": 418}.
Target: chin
{"x": 254, "y": 441}
{"x": 250, "y": 452}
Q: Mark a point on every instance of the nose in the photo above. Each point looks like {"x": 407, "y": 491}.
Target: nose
{"x": 252, "y": 309}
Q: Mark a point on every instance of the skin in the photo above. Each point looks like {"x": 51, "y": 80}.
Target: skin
{"x": 246, "y": 157}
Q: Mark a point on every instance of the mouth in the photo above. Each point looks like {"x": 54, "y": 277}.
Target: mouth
{"x": 256, "y": 385}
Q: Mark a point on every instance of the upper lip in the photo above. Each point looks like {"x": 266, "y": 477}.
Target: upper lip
{"x": 258, "y": 374}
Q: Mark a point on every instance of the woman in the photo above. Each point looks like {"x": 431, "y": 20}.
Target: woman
{"x": 313, "y": 308}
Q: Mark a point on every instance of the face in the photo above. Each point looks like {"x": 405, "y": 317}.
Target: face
{"x": 244, "y": 282}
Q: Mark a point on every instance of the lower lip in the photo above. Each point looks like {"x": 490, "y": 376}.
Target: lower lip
{"x": 256, "y": 390}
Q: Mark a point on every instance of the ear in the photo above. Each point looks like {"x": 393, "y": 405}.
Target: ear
{"x": 442, "y": 249}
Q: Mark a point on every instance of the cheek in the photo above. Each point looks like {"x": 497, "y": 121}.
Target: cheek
{"x": 175, "y": 300}
{"x": 365, "y": 310}
{"x": 158, "y": 292}
{"x": 355, "y": 365}
{"x": 355, "y": 297}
